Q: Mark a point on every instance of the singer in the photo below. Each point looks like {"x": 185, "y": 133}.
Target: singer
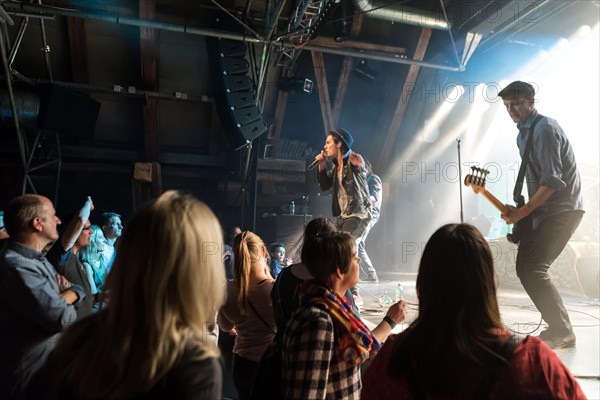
{"x": 347, "y": 179}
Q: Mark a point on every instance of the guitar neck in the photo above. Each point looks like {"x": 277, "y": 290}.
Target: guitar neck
{"x": 494, "y": 200}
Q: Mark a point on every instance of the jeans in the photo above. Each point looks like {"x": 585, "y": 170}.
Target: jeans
{"x": 536, "y": 253}
{"x": 362, "y": 251}
{"x": 353, "y": 225}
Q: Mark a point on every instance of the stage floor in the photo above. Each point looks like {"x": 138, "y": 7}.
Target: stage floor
{"x": 518, "y": 313}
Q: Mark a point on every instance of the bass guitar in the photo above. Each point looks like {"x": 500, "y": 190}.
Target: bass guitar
{"x": 476, "y": 180}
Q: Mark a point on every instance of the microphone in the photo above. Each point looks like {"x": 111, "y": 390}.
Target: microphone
{"x": 313, "y": 164}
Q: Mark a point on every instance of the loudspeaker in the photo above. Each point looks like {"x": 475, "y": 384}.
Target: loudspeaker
{"x": 233, "y": 65}
{"x": 234, "y": 92}
{"x": 70, "y": 114}
{"x": 237, "y": 83}
{"x": 244, "y": 116}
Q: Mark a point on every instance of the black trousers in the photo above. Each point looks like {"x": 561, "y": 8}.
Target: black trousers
{"x": 244, "y": 373}
{"x": 536, "y": 254}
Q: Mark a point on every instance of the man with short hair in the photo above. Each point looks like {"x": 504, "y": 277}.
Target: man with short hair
{"x": 554, "y": 208}
{"x": 37, "y": 303}
{"x": 112, "y": 228}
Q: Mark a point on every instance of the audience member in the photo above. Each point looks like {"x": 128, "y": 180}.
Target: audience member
{"x": 37, "y": 304}
{"x": 286, "y": 292}
{"x": 226, "y": 340}
{"x": 325, "y": 342}
{"x": 248, "y": 309}
{"x": 94, "y": 265}
{"x": 111, "y": 228}
{"x": 3, "y": 233}
{"x": 278, "y": 259}
{"x": 458, "y": 347}
{"x": 150, "y": 342}
{"x": 64, "y": 255}
{"x": 286, "y": 296}
{"x": 228, "y": 251}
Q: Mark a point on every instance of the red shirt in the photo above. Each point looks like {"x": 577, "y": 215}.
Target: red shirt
{"x": 534, "y": 372}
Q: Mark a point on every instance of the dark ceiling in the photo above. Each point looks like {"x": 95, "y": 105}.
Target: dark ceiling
{"x": 154, "y": 69}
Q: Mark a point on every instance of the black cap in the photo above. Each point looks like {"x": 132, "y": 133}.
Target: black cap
{"x": 518, "y": 89}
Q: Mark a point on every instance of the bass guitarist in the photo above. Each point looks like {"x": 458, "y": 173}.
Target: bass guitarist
{"x": 554, "y": 209}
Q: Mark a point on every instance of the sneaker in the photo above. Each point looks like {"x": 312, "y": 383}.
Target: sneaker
{"x": 558, "y": 341}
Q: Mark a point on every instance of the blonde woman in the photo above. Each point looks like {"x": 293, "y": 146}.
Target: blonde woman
{"x": 150, "y": 342}
{"x": 94, "y": 262}
{"x": 248, "y": 310}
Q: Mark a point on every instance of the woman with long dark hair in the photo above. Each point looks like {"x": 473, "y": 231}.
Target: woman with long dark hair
{"x": 458, "y": 346}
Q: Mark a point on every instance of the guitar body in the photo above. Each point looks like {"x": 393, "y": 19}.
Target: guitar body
{"x": 477, "y": 182}
{"x": 521, "y": 228}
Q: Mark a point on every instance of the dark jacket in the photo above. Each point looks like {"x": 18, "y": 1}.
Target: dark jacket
{"x": 354, "y": 180}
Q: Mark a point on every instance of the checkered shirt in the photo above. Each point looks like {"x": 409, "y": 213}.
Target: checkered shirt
{"x": 311, "y": 366}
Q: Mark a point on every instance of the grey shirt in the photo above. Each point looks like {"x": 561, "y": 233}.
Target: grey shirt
{"x": 552, "y": 164}
{"x": 32, "y": 314}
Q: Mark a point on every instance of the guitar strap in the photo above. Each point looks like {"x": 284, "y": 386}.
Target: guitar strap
{"x": 525, "y": 161}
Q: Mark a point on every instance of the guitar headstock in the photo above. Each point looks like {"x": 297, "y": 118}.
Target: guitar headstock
{"x": 476, "y": 179}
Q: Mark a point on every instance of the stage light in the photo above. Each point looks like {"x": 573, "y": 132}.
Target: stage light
{"x": 295, "y": 84}
{"x": 308, "y": 85}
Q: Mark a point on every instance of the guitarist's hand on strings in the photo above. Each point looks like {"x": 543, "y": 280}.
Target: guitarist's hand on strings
{"x": 515, "y": 214}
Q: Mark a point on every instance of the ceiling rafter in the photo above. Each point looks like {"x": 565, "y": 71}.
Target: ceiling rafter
{"x": 78, "y": 49}
{"x": 411, "y": 77}
{"x": 342, "y": 86}
{"x": 149, "y": 74}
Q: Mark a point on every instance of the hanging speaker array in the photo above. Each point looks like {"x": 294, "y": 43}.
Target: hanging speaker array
{"x": 234, "y": 91}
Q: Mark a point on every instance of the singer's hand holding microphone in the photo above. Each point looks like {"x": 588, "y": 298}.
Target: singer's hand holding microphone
{"x": 318, "y": 158}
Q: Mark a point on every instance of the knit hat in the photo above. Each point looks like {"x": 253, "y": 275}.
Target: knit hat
{"x": 344, "y": 136}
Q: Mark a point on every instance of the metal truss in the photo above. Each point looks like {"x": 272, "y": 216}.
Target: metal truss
{"x": 302, "y": 27}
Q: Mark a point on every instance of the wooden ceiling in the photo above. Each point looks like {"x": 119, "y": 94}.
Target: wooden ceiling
{"x": 146, "y": 63}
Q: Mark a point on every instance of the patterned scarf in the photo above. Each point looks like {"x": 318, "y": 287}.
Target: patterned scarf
{"x": 355, "y": 340}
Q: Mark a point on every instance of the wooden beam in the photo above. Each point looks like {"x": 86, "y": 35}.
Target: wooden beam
{"x": 321, "y": 78}
{"x": 409, "y": 82}
{"x": 78, "y": 50}
{"x": 357, "y": 45}
{"x": 149, "y": 74}
{"x": 151, "y": 130}
{"x": 282, "y": 97}
{"x": 342, "y": 85}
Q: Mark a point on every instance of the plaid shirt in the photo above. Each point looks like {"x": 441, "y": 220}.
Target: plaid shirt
{"x": 311, "y": 365}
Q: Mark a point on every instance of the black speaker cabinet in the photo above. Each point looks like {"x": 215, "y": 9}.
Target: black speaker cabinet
{"x": 70, "y": 114}
{"x": 234, "y": 92}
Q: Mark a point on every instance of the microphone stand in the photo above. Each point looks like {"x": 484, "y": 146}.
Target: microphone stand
{"x": 460, "y": 181}
{"x": 305, "y": 198}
